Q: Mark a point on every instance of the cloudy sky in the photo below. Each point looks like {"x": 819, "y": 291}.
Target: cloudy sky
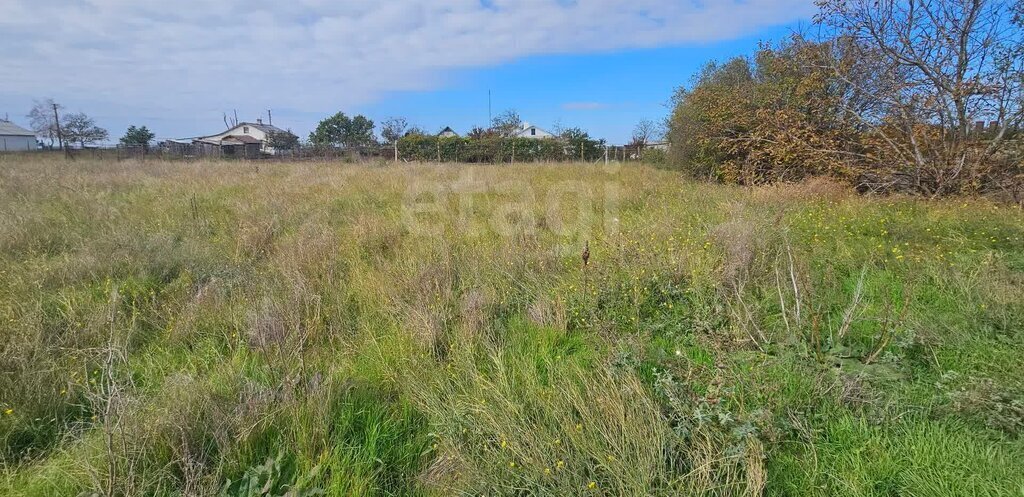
{"x": 176, "y": 66}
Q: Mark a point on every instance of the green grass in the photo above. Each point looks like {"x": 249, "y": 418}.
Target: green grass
{"x": 255, "y": 329}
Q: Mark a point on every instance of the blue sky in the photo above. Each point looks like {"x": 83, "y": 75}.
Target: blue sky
{"x": 606, "y": 94}
{"x": 602, "y": 65}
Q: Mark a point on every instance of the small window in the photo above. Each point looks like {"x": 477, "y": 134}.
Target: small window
{"x": 533, "y": 131}
{"x": 245, "y": 129}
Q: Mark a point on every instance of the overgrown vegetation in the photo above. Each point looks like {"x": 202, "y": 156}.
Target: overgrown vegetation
{"x": 326, "y": 329}
{"x": 917, "y": 97}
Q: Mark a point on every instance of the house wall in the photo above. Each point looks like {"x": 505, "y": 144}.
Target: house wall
{"x": 241, "y": 130}
{"x": 9, "y": 143}
{"x": 252, "y": 131}
{"x": 525, "y": 133}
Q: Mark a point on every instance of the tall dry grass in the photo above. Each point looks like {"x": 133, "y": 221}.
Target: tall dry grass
{"x": 212, "y": 327}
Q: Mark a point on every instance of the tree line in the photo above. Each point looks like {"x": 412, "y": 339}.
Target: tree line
{"x": 920, "y": 96}
{"x": 496, "y": 143}
{"x": 61, "y": 129}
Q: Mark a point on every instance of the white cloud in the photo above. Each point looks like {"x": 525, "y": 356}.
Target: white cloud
{"x": 308, "y": 55}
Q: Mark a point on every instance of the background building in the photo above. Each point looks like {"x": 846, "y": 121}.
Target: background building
{"x": 14, "y": 138}
{"x": 530, "y": 131}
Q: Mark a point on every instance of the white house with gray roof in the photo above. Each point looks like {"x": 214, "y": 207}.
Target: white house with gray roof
{"x": 530, "y": 131}
{"x": 248, "y": 135}
{"x": 14, "y": 138}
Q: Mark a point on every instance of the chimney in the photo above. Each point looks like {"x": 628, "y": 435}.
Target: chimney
{"x": 259, "y": 120}
{"x": 993, "y": 126}
{"x": 979, "y": 127}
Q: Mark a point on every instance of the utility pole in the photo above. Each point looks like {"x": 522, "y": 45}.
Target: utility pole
{"x": 489, "y": 107}
{"x": 60, "y": 135}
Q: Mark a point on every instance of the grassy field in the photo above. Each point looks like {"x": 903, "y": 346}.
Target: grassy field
{"x": 255, "y": 329}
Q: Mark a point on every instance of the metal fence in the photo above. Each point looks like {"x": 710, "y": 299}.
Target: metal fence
{"x": 374, "y": 153}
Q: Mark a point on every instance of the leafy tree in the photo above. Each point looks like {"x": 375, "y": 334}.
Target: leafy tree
{"x": 340, "y": 130}
{"x": 393, "y": 130}
{"x": 507, "y": 123}
{"x": 330, "y": 131}
{"x": 283, "y": 140}
{"x": 82, "y": 129}
{"x": 478, "y": 133}
{"x": 779, "y": 116}
{"x": 579, "y": 145}
{"x": 359, "y": 133}
{"x": 140, "y": 136}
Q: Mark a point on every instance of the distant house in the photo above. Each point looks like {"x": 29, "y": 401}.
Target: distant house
{"x": 658, "y": 145}
{"x": 181, "y": 147}
{"x": 530, "y": 131}
{"x": 14, "y": 138}
{"x": 242, "y": 140}
{"x": 448, "y": 132}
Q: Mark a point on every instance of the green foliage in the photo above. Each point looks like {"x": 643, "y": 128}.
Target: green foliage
{"x": 340, "y": 130}
{"x": 285, "y": 140}
{"x": 780, "y": 116}
{"x": 579, "y": 144}
{"x": 656, "y": 157}
{"x": 851, "y": 457}
{"x": 82, "y": 129}
{"x": 506, "y": 123}
{"x": 490, "y": 148}
{"x": 393, "y": 129}
{"x": 271, "y": 479}
{"x": 379, "y": 444}
{"x": 140, "y": 136}
{"x": 881, "y": 104}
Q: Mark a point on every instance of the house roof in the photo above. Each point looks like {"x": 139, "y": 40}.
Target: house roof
{"x": 447, "y": 129}
{"x": 240, "y": 139}
{"x": 527, "y": 126}
{"x": 8, "y": 128}
{"x": 266, "y": 128}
